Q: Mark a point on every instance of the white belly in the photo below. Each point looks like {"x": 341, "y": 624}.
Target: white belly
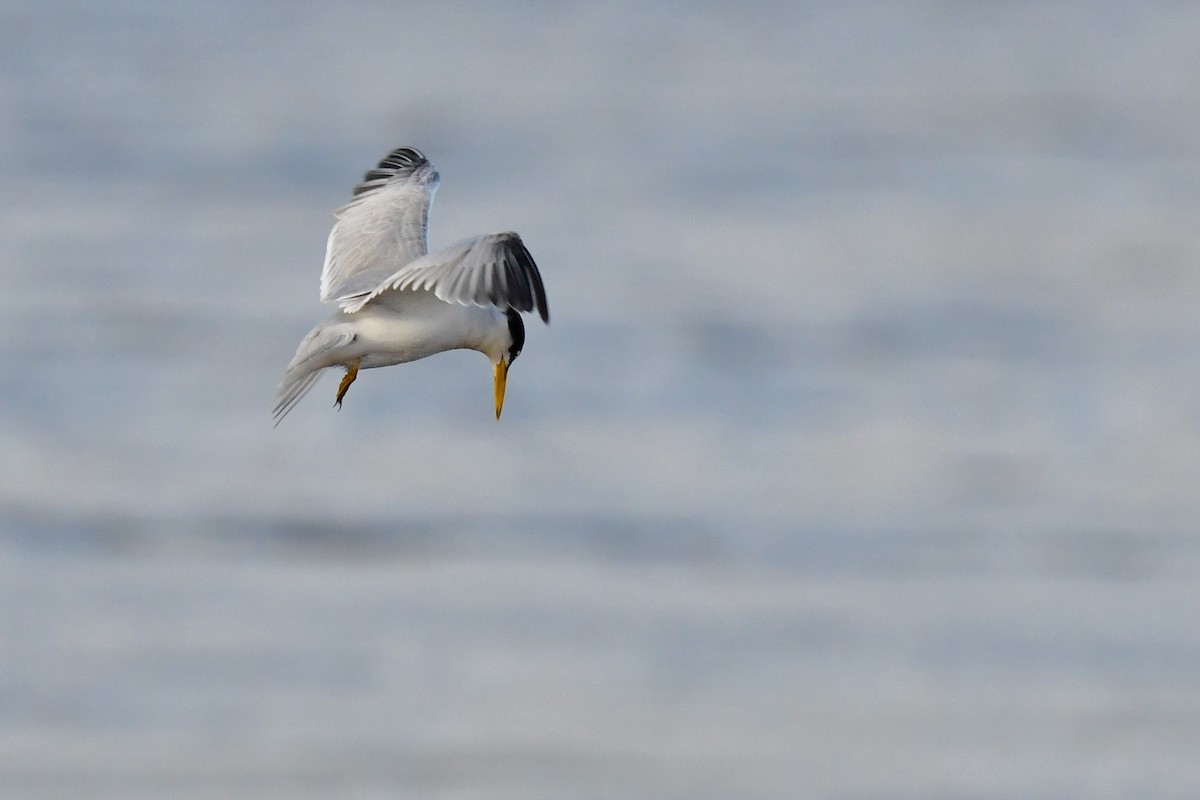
{"x": 384, "y": 336}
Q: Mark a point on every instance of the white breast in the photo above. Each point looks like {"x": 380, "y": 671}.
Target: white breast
{"x": 386, "y": 335}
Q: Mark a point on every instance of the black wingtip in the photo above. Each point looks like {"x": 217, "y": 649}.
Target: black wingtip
{"x": 403, "y": 157}
{"x": 400, "y": 163}
{"x": 539, "y": 293}
{"x": 528, "y": 269}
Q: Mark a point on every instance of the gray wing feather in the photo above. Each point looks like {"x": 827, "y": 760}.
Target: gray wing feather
{"x": 384, "y": 226}
{"x": 495, "y": 269}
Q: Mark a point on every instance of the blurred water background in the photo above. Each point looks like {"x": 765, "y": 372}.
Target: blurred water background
{"x": 859, "y": 461}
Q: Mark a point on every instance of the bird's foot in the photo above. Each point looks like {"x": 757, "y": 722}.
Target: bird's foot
{"x": 347, "y": 379}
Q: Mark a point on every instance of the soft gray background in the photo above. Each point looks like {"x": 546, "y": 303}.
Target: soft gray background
{"x": 860, "y": 460}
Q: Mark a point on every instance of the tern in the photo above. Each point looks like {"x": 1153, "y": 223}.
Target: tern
{"x": 397, "y": 301}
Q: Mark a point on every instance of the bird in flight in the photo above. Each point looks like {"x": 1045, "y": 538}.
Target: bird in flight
{"x": 397, "y": 301}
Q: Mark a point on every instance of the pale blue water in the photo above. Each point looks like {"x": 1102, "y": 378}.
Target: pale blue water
{"x": 860, "y": 459}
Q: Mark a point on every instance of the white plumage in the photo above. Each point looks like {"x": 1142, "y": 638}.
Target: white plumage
{"x": 397, "y": 301}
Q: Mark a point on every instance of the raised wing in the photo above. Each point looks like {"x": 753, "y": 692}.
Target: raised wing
{"x": 490, "y": 270}
{"x": 382, "y": 228}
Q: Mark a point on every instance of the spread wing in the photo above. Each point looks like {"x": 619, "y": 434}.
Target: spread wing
{"x": 490, "y": 270}
{"x": 382, "y": 228}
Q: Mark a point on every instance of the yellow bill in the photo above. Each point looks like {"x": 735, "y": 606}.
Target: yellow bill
{"x": 501, "y": 382}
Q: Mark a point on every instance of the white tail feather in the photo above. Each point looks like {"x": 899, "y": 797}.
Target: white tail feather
{"x": 311, "y": 359}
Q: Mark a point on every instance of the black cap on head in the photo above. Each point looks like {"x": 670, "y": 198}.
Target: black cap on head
{"x": 516, "y": 329}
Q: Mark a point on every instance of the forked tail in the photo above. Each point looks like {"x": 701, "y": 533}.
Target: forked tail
{"x": 311, "y": 359}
